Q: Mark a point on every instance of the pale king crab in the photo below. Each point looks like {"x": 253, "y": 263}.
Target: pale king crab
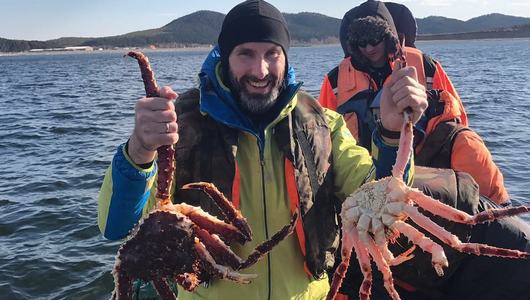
{"x": 181, "y": 242}
{"x": 377, "y": 211}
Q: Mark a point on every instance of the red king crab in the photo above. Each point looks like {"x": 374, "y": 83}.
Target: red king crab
{"x": 182, "y": 242}
{"x": 376, "y": 213}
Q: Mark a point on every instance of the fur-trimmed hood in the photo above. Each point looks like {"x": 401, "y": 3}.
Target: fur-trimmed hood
{"x": 367, "y": 21}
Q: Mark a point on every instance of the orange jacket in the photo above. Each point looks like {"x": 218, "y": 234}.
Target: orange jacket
{"x": 344, "y": 81}
{"x": 470, "y": 155}
{"x": 469, "y": 151}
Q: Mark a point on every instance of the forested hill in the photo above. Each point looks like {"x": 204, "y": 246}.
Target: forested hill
{"x": 199, "y": 28}
{"x": 202, "y": 28}
{"x": 491, "y": 22}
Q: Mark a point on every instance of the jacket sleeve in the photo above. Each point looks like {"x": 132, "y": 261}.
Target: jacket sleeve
{"x": 123, "y": 195}
{"x": 441, "y": 81}
{"x": 352, "y": 164}
{"x": 471, "y": 156}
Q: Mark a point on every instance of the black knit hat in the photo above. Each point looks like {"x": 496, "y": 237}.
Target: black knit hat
{"x": 252, "y": 21}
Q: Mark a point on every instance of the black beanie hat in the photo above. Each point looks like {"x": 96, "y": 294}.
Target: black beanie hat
{"x": 252, "y": 21}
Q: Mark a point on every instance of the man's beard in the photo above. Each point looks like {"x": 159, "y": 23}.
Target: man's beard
{"x": 255, "y": 103}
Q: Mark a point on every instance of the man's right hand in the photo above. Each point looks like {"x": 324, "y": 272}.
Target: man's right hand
{"x": 401, "y": 92}
{"x": 155, "y": 125}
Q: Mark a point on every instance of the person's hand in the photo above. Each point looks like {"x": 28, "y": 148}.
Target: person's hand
{"x": 155, "y": 125}
{"x": 402, "y": 92}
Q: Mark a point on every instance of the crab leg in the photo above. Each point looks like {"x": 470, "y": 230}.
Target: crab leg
{"x": 439, "y": 260}
{"x": 219, "y": 270}
{"x": 208, "y": 222}
{"x": 224, "y": 255}
{"x": 405, "y": 148}
{"x": 450, "y": 213}
{"x": 163, "y": 289}
{"x": 378, "y": 230}
{"x": 166, "y": 154}
{"x": 454, "y": 241}
{"x": 218, "y": 249}
{"x": 381, "y": 264}
{"x": 233, "y": 215}
{"x": 267, "y": 246}
{"x": 148, "y": 76}
{"x": 350, "y": 240}
{"x": 342, "y": 268}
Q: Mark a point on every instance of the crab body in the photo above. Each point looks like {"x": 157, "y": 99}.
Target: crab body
{"x": 182, "y": 243}
{"x": 160, "y": 247}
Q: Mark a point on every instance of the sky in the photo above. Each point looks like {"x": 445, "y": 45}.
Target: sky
{"x": 50, "y": 19}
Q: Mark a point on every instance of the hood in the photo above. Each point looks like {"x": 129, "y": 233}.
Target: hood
{"x": 217, "y": 100}
{"x": 405, "y": 23}
{"x": 369, "y": 18}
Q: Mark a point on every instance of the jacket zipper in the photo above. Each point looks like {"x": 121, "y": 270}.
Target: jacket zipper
{"x": 262, "y": 166}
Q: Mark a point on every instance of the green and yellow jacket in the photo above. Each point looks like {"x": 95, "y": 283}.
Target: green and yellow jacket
{"x": 300, "y": 157}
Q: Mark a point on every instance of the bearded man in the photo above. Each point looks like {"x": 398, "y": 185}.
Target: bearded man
{"x": 258, "y": 137}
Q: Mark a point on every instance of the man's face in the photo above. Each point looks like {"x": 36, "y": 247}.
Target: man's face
{"x": 374, "y": 51}
{"x": 256, "y": 71}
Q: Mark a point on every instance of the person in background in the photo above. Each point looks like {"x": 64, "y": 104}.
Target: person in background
{"x": 442, "y": 138}
{"x": 406, "y": 28}
{"x": 371, "y": 43}
{"x": 249, "y": 129}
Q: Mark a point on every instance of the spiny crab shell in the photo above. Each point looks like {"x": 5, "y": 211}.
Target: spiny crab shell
{"x": 161, "y": 246}
{"x": 372, "y": 195}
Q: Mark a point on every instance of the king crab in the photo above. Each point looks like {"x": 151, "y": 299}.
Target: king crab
{"x": 376, "y": 213}
{"x": 181, "y": 242}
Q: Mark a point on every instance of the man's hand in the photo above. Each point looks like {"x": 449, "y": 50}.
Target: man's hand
{"x": 155, "y": 125}
{"x": 402, "y": 91}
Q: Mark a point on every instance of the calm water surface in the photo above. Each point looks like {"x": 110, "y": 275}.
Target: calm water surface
{"x": 63, "y": 115}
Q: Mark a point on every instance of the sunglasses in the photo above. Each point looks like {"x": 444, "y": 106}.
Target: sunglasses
{"x": 373, "y": 42}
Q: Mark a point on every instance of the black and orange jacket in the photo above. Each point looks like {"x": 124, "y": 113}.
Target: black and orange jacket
{"x": 346, "y": 82}
{"x": 343, "y": 82}
{"x": 469, "y": 153}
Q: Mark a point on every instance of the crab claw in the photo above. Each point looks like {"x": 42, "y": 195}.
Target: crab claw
{"x": 403, "y": 257}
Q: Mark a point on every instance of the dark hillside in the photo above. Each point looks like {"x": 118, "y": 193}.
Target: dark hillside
{"x": 307, "y": 26}
{"x": 202, "y": 28}
{"x": 434, "y": 25}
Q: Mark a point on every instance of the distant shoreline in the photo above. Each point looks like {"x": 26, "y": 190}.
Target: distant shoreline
{"x": 119, "y": 51}
{"x": 476, "y": 35}
{"x": 448, "y": 37}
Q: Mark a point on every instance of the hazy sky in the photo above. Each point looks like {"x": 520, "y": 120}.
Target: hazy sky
{"x": 49, "y": 19}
